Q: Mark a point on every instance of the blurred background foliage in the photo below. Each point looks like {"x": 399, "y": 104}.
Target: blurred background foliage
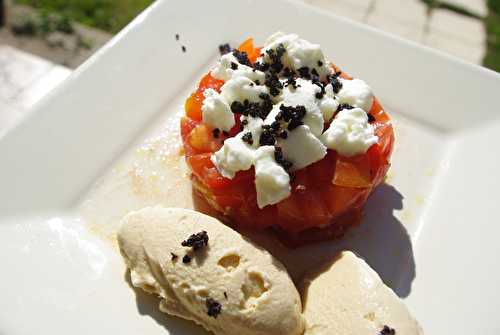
{"x": 113, "y": 15}
{"x": 108, "y": 15}
{"x": 492, "y": 21}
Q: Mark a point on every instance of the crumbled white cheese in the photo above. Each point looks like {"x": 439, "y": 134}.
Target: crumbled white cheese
{"x": 350, "y": 133}
{"x": 303, "y": 95}
{"x": 329, "y": 104}
{"x": 299, "y": 53}
{"x": 302, "y": 148}
{"x": 272, "y": 182}
{"x": 224, "y": 71}
{"x": 242, "y": 88}
{"x": 237, "y": 155}
{"x": 216, "y": 111}
{"x": 356, "y": 93}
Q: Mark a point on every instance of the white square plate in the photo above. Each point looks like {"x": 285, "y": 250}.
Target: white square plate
{"x": 431, "y": 232}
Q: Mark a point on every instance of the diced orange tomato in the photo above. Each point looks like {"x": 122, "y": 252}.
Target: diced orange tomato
{"x": 353, "y": 172}
{"x": 195, "y": 101}
{"x": 202, "y": 139}
{"x": 252, "y": 53}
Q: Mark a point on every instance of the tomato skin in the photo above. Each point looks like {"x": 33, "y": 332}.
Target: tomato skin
{"x": 327, "y": 197}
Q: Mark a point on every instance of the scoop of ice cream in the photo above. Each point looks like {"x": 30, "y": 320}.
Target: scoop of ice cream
{"x": 349, "y": 298}
{"x": 218, "y": 279}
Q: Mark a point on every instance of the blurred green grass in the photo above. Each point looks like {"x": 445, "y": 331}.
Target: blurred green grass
{"x": 492, "y": 21}
{"x": 108, "y": 15}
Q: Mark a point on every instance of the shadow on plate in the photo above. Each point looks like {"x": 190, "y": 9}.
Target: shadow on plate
{"x": 381, "y": 239}
{"x": 147, "y": 305}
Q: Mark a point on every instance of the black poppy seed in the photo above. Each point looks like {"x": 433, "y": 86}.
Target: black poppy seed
{"x": 183, "y": 48}
{"x": 216, "y": 132}
{"x": 224, "y": 48}
{"x": 266, "y": 138}
{"x": 320, "y": 94}
{"x": 244, "y": 122}
{"x": 280, "y": 50}
{"x": 242, "y": 57}
{"x": 257, "y": 82}
{"x": 196, "y": 241}
{"x": 214, "y": 308}
{"x": 234, "y": 66}
{"x": 186, "y": 259}
{"x": 387, "y": 331}
{"x": 264, "y": 96}
{"x": 294, "y": 124}
{"x": 287, "y": 73}
{"x": 225, "y": 294}
{"x": 174, "y": 256}
{"x": 275, "y": 56}
{"x": 275, "y": 125}
{"x": 283, "y": 134}
{"x": 261, "y": 66}
{"x": 320, "y": 63}
{"x": 247, "y": 137}
{"x": 237, "y": 107}
{"x": 285, "y": 113}
{"x": 304, "y": 72}
{"x": 254, "y": 110}
{"x": 266, "y": 107}
{"x": 278, "y": 157}
{"x": 344, "y": 106}
{"x": 336, "y": 84}
{"x": 273, "y": 83}
{"x": 291, "y": 113}
{"x": 371, "y": 118}
{"x": 177, "y": 37}
{"x": 251, "y": 84}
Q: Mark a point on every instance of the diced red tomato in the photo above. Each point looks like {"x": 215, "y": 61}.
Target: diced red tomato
{"x": 210, "y": 82}
{"x": 204, "y": 169}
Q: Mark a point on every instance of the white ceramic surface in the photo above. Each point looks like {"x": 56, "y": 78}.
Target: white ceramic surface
{"x": 431, "y": 233}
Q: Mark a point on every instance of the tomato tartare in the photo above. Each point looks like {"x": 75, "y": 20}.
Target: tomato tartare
{"x": 329, "y": 180}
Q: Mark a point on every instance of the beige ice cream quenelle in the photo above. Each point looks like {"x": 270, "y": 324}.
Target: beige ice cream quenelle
{"x": 228, "y": 285}
{"x": 349, "y": 298}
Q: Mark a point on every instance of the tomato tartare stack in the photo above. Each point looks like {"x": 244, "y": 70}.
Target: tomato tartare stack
{"x": 278, "y": 137}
